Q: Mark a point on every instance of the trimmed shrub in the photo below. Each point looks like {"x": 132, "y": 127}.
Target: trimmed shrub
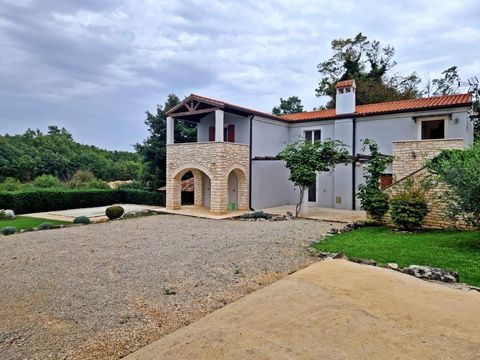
{"x": 8, "y": 230}
{"x": 408, "y": 209}
{"x": 134, "y": 196}
{"x": 81, "y": 220}
{"x": 257, "y": 215}
{"x": 40, "y": 200}
{"x": 114, "y": 212}
{"x": 46, "y": 225}
{"x": 11, "y": 184}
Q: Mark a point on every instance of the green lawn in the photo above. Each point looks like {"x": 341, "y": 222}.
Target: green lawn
{"x": 24, "y": 222}
{"x": 449, "y": 250}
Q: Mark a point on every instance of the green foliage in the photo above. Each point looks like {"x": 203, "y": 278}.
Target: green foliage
{"x": 46, "y": 225}
{"x": 409, "y": 207}
{"x": 368, "y": 62}
{"x": 291, "y": 105}
{"x": 3, "y": 215}
{"x": 11, "y": 184}
{"x": 81, "y": 220}
{"x": 8, "y": 230}
{"x": 448, "y": 84}
{"x": 449, "y": 250}
{"x": 26, "y": 223}
{"x": 372, "y": 198}
{"x": 114, "y": 212}
{"x": 460, "y": 170}
{"x": 27, "y": 156}
{"x": 153, "y": 149}
{"x": 84, "y": 179}
{"x": 40, "y": 200}
{"x": 304, "y": 159}
{"x": 136, "y": 185}
{"x": 46, "y": 181}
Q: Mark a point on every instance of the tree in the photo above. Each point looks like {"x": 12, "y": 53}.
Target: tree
{"x": 153, "y": 150}
{"x": 448, "y": 84}
{"x": 372, "y": 198}
{"x": 291, "y": 105}
{"x": 460, "y": 170}
{"x": 369, "y": 63}
{"x": 304, "y": 159}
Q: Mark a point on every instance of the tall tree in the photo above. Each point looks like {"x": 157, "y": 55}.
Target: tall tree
{"x": 369, "y": 63}
{"x": 448, "y": 84}
{"x": 288, "y": 106}
{"x": 153, "y": 149}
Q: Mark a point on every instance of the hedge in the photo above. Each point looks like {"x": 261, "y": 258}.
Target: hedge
{"x": 41, "y": 200}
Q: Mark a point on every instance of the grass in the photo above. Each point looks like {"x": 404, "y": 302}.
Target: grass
{"x": 24, "y": 222}
{"x": 449, "y": 250}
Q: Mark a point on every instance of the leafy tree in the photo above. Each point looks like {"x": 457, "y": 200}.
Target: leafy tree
{"x": 448, "y": 84}
{"x": 369, "y": 63}
{"x": 291, "y": 105}
{"x": 56, "y": 153}
{"x": 460, "y": 170}
{"x": 372, "y": 198}
{"x": 304, "y": 159}
{"x": 153, "y": 150}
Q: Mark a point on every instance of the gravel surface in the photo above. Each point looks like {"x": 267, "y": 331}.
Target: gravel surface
{"x": 102, "y": 291}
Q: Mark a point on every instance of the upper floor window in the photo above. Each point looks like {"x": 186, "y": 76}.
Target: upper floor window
{"x": 313, "y": 135}
{"x": 433, "y": 129}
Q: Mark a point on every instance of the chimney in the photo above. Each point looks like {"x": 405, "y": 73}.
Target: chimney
{"x": 345, "y": 97}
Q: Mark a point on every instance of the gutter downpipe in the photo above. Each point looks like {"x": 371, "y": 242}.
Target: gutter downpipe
{"x": 250, "y": 166}
{"x": 354, "y": 164}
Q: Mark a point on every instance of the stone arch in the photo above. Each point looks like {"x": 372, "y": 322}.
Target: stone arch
{"x": 237, "y": 187}
{"x": 202, "y": 181}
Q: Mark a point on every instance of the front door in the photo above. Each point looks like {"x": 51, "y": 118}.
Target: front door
{"x": 312, "y": 193}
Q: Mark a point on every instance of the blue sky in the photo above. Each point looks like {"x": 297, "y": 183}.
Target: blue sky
{"x": 95, "y": 67}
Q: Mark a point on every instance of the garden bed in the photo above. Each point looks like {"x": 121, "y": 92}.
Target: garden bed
{"x": 449, "y": 250}
{"x": 26, "y": 223}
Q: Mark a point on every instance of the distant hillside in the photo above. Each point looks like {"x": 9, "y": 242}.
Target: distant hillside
{"x": 34, "y": 153}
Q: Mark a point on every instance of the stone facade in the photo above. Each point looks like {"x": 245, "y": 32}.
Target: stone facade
{"x": 212, "y": 160}
{"x": 409, "y": 162}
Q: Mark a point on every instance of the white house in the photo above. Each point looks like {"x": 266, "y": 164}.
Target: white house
{"x": 234, "y": 159}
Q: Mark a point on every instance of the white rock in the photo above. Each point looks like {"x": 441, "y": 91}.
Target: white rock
{"x": 9, "y": 214}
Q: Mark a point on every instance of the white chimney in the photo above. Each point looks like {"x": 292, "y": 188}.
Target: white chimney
{"x": 345, "y": 97}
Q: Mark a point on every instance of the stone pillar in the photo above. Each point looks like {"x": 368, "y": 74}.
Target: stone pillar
{"x": 170, "y": 130}
{"x": 219, "y": 115}
{"x": 219, "y": 197}
{"x": 198, "y": 184}
{"x": 242, "y": 193}
{"x": 174, "y": 194}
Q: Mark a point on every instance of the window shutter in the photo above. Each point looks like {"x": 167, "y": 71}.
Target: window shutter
{"x": 231, "y": 133}
{"x": 211, "y": 133}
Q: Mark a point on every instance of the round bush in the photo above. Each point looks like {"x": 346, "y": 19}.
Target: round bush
{"x": 45, "y": 225}
{"x": 408, "y": 210}
{"x": 8, "y": 230}
{"x": 81, "y": 220}
{"x": 114, "y": 212}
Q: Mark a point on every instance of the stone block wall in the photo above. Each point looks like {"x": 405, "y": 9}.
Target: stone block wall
{"x": 409, "y": 160}
{"x": 215, "y": 160}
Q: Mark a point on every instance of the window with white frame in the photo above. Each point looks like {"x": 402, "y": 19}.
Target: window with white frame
{"x": 313, "y": 135}
{"x": 433, "y": 129}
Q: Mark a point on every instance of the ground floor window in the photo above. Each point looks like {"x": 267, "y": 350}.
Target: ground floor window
{"x": 313, "y": 135}
{"x": 433, "y": 129}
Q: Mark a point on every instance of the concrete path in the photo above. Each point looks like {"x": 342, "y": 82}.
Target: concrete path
{"x": 334, "y": 310}
{"x": 325, "y": 214}
{"x": 94, "y": 213}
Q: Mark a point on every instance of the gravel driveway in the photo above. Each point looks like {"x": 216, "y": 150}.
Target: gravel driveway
{"x": 105, "y": 290}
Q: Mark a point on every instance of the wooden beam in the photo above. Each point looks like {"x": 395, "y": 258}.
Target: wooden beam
{"x": 196, "y": 105}
{"x": 187, "y": 105}
{"x": 194, "y": 112}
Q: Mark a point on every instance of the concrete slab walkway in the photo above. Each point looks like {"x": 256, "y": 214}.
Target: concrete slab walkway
{"x": 203, "y": 212}
{"x": 94, "y": 213}
{"x": 334, "y": 310}
{"x": 318, "y": 213}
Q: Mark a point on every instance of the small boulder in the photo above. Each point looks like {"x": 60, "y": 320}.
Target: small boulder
{"x": 392, "y": 266}
{"x": 340, "y": 256}
{"x": 7, "y": 214}
{"x": 365, "y": 261}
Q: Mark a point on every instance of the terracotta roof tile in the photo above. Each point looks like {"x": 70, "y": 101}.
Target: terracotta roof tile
{"x": 388, "y": 107}
{"x": 345, "y": 83}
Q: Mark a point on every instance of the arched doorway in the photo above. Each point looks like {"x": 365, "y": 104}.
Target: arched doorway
{"x": 237, "y": 190}
{"x": 201, "y": 189}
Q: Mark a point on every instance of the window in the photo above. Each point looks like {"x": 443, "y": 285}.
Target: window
{"x": 433, "y": 129}
{"x": 313, "y": 135}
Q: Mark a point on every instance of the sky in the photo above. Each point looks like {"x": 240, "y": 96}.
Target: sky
{"x": 95, "y": 67}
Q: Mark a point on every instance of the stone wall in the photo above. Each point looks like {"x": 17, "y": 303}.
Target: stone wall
{"x": 409, "y": 161}
{"x": 215, "y": 160}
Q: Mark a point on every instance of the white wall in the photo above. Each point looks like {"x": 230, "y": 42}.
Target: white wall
{"x": 242, "y": 127}
{"x": 269, "y": 137}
